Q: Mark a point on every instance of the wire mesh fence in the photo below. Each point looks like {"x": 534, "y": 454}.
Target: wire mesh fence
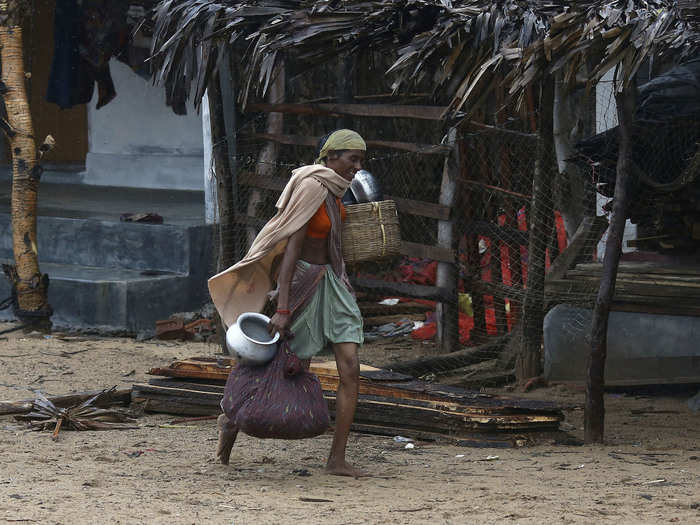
{"x": 499, "y": 227}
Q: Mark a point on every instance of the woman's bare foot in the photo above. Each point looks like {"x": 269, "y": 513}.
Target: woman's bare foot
{"x": 343, "y": 468}
{"x": 227, "y": 437}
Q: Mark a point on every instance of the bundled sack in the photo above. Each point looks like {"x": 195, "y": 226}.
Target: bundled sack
{"x": 279, "y": 400}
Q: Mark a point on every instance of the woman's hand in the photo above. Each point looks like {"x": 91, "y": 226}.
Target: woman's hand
{"x": 279, "y": 323}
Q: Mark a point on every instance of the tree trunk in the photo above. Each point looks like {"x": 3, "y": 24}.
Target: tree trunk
{"x": 222, "y": 174}
{"x": 594, "y": 416}
{"x": 541, "y": 215}
{"x": 28, "y": 282}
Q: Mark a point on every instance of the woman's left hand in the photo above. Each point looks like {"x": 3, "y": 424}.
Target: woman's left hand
{"x": 279, "y": 323}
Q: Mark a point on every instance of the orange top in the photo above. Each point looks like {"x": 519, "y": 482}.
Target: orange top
{"x": 320, "y": 224}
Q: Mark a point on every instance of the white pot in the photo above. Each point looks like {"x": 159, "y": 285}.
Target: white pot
{"x": 250, "y": 341}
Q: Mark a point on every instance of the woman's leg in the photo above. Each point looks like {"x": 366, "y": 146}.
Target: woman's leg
{"x": 345, "y": 402}
{"x": 227, "y": 437}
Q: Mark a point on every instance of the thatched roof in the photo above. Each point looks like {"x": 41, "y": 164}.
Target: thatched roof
{"x": 458, "y": 45}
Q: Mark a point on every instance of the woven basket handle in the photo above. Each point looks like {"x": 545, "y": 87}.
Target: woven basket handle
{"x": 377, "y": 209}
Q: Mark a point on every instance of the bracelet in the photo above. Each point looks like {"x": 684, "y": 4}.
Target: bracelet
{"x": 283, "y": 312}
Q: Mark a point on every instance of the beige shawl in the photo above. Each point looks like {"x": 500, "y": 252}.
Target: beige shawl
{"x": 244, "y": 286}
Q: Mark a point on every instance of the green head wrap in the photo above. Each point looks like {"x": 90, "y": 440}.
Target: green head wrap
{"x": 338, "y": 140}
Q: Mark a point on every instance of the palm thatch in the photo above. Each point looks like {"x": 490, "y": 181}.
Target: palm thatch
{"x": 462, "y": 47}
{"x": 84, "y": 416}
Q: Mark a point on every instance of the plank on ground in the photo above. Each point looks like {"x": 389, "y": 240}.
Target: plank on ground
{"x": 371, "y": 409}
{"x": 373, "y": 380}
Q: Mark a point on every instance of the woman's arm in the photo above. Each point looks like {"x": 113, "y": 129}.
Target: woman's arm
{"x": 280, "y": 321}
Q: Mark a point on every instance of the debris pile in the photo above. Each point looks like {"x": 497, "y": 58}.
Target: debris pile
{"x": 87, "y": 415}
{"x": 390, "y": 403}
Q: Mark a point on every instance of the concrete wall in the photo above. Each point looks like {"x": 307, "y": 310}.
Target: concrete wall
{"x": 137, "y": 141}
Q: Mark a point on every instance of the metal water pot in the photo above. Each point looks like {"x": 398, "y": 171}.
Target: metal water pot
{"x": 249, "y": 340}
{"x": 365, "y": 187}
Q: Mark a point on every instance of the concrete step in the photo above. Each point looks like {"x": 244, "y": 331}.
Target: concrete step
{"x": 113, "y": 299}
{"x": 108, "y": 244}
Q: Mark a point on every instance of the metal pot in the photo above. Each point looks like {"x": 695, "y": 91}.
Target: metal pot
{"x": 365, "y": 187}
{"x": 250, "y": 341}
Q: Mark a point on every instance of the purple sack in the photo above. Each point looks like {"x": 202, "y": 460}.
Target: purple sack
{"x": 280, "y": 400}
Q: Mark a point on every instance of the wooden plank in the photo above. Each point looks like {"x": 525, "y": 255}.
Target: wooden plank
{"x": 372, "y": 309}
{"x": 305, "y": 140}
{"x": 460, "y": 358}
{"x": 122, "y": 395}
{"x": 661, "y": 289}
{"x": 420, "y": 208}
{"x": 355, "y": 110}
{"x": 382, "y": 411}
{"x": 423, "y": 251}
{"x": 406, "y": 206}
{"x": 416, "y": 291}
{"x": 644, "y": 267}
{"x": 399, "y": 387}
{"x": 264, "y": 182}
{"x": 587, "y": 235}
{"x": 405, "y": 413}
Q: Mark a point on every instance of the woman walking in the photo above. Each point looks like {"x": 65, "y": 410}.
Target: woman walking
{"x": 300, "y": 250}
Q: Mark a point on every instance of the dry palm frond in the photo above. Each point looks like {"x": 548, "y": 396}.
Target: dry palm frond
{"x": 84, "y": 416}
{"x": 459, "y": 45}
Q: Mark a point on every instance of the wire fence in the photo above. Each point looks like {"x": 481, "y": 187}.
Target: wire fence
{"x": 499, "y": 229}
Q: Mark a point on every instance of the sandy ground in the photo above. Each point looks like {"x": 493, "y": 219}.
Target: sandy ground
{"x": 647, "y": 472}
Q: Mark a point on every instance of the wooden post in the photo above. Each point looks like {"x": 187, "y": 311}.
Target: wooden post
{"x": 527, "y": 362}
{"x": 594, "y": 415}
{"x": 269, "y": 154}
{"x": 231, "y": 118}
{"x": 472, "y": 203}
{"x": 447, "y": 314}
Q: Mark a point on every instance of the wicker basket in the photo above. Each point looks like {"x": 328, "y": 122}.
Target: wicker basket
{"x": 371, "y": 231}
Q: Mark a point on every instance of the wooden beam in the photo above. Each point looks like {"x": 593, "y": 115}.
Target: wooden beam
{"x": 264, "y": 182}
{"x": 305, "y": 140}
{"x": 407, "y": 206}
{"x": 588, "y": 234}
{"x": 355, "y": 110}
{"x": 421, "y": 208}
{"x": 450, "y": 361}
{"x": 417, "y": 291}
{"x": 423, "y": 251}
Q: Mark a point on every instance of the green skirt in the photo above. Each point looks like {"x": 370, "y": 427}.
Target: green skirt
{"x": 331, "y": 316}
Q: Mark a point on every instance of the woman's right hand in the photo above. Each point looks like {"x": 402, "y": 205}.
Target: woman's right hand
{"x": 279, "y": 323}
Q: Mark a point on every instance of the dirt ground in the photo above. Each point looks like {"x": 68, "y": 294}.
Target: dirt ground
{"x": 647, "y": 472}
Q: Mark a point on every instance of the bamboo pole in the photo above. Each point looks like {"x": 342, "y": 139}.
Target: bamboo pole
{"x": 594, "y": 415}
{"x": 30, "y": 285}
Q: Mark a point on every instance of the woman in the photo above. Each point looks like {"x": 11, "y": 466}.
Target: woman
{"x": 300, "y": 249}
